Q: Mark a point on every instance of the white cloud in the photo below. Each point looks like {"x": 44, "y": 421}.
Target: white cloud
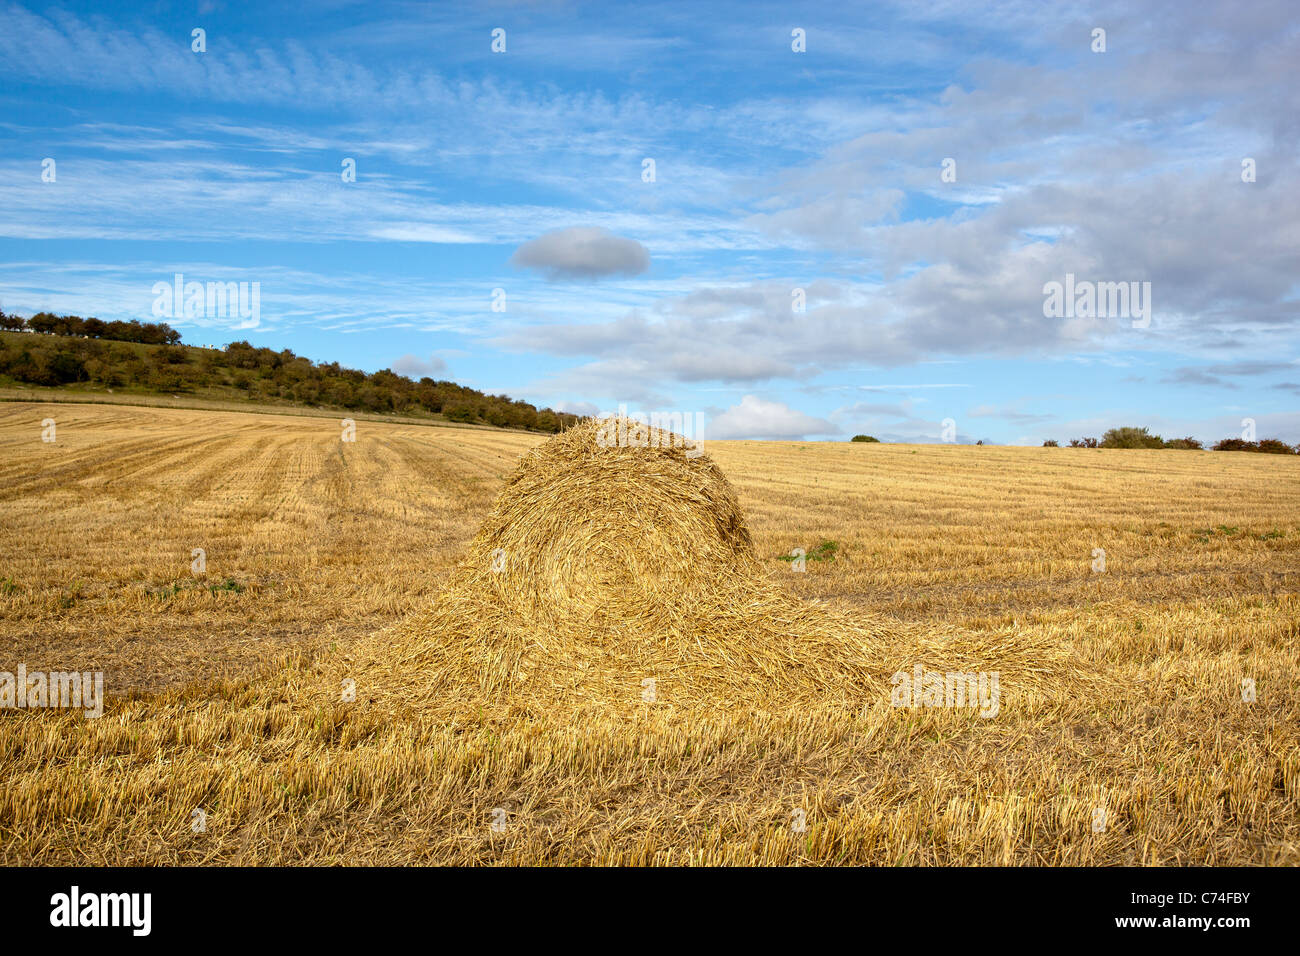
{"x": 757, "y": 418}
{"x": 585, "y": 409}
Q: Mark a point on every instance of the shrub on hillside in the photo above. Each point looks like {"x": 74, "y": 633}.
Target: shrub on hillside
{"x": 1234, "y": 444}
{"x": 1271, "y": 446}
{"x": 1131, "y": 437}
{"x": 865, "y": 438}
{"x": 67, "y": 368}
{"x": 459, "y": 412}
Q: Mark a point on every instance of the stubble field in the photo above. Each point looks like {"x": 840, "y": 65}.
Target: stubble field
{"x": 1122, "y": 688}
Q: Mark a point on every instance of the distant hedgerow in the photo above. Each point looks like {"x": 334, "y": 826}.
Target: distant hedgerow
{"x": 1269, "y": 446}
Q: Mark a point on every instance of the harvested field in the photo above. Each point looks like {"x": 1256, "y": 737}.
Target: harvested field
{"x": 503, "y": 716}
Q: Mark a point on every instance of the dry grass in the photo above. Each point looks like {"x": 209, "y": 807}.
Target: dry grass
{"x": 514, "y": 691}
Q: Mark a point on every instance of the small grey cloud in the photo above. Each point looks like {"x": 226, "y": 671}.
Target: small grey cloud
{"x": 416, "y": 367}
{"x": 1292, "y": 387}
{"x": 1252, "y": 367}
{"x": 1194, "y": 376}
{"x": 582, "y": 252}
{"x": 1209, "y": 374}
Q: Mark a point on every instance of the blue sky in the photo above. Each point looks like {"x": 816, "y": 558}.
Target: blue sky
{"x": 774, "y": 171}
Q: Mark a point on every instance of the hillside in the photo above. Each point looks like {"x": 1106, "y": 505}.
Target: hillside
{"x": 245, "y": 374}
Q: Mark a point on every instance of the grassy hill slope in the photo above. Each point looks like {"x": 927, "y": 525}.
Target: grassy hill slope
{"x": 241, "y": 374}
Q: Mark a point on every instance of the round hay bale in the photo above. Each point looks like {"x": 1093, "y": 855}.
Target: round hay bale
{"x": 604, "y": 522}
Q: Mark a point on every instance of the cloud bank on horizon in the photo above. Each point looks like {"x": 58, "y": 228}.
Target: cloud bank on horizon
{"x": 794, "y": 220}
